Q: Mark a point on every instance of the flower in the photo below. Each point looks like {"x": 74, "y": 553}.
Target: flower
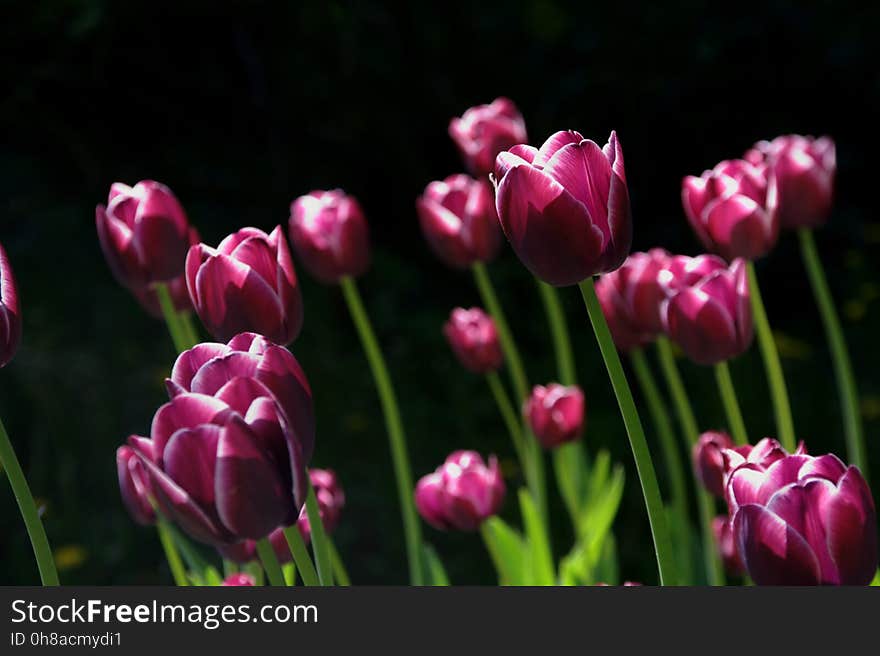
{"x": 723, "y": 534}
{"x": 247, "y": 283}
{"x": 804, "y": 168}
{"x": 462, "y": 493}
{"x": 565, "y": 207}
{"x": 329, "y": 234}
{"x": 733, "y": 209}
{"x": 474, "y": 340}
{"x": 555, "y": 414}
{"x": 239, "y": 579}
{"x": 708, "y": 459}
{"x": 458, "y": 220}
{"x": 484, "y": 131}
{"x": 134, "y": 486}
{"x": 331, "y": 501}
{"x": 10, "y": 314}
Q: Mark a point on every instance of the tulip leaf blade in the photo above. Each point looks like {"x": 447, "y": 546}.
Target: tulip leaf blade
{"x": 435, "y": 573}
{"x": 540, "y": 558}
{"x": 507, "y": 549}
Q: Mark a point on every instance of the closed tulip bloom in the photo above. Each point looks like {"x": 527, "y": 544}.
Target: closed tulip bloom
{"x": 474, "y": 340}
{"x": 555, "y": 413}
{"x": 804, "y": 168}
{"x": 804, "y": 520}
{"x": 134, "y": 486}
{"x": 711, "y": 320}
{"x": 144, "y": 233}
{"x": 723, "y": 533}
{"x": 239, "y": 579}
{"x": 565, "y": 207}
{"x": 10, "y": 314}
{"x": 708, "y": 459}
{"x": 462, "y": 493}
{"x": 246, "y": 284}
{"x": 458, "y": 220}
{"x": 329, "y": 234}
{"x": 331, "y": 501}
{"x": 733, "y": 209}
{"x": 484, "y": 131}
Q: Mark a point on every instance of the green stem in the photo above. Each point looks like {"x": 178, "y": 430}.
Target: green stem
{"x": 172, "y": 318}
{"x": 175, "y": 564}
{"x": 512, "y": 422}
{"x": 559, "y": 331}
{"x": 270, "y": 563}
{"x": 731, "y": 404}
{"x": 189, "y": 328}
{"x": 772, "y": 365}
{"x": 339, "y": 571}
{"x": 843, "y": 370}
{"x": 399, "y": 457}
{"x": 319, "y": 540}
{"x": 300, "y": 554}
{"x": 691, "y": 432}
{"x": 638, "y": 444}
{"x": 289, "y": 571}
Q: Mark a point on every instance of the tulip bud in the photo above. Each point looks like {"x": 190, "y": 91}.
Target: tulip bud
{"x": 144, "y": 233}
{"x": 804, "y": 169}
{"x": 484, "y": 131}
{"x": 711, "y": 319}
{"x": 331, "y": 501}
{"x": 239, "y": 579}
{"x": 733, "y": 209}
{"x": 474, "y": 340}
{"x": 565, "y": 207}
{"x": 329, "y": 234}
{"x": 247, "y": 283}
{"x": 709, "y": 465}
{"x": 459, "y": 221}
{"x": 10, "y": 314}
{"x": 631, "y": 298}
{"x": 803, "y": 520}
{"x": 723, "y": 533}
{"x": 134, "y": 486}
{"x": 462, "y": 493}
{"x": 555, "y": 414}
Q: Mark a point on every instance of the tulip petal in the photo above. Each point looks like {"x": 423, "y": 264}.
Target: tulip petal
{"x": 851, "y": 529}
{"x": 191, "y": 460}
{"x": 190, "y": 361}
{"x": 739, "y": 227}
{"x": 702, "y": 326}
{"x": 280, "y": 371}
{"x": 215, "y": 373}
{"x": 183, "y": 411}
{"x": 556, "y": 141}
{"x": 259, "y": 256}
{"x": 772, "y": 552}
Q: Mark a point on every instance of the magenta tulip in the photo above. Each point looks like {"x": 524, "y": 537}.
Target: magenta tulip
{"x": 10, "y": 314}
{"x": 134, "y": 486}
{"x": 733, "y": 209}
{"x": 144, "y": 233}
{"x": 331, "y": 501}
{"x": 474, "y": 340}
{"x": 804, "y": 169}
{"x": 239, "y": 579}
{"x": 459, "y": 221}
{"x": 804, "y": 520}
{"x": 711, "y": 319}
{"x": 462, "y": 493}
{"x": 329, "y": 234}
{"x": 555, "y": 414}
{"x": 484, "y": 131}
{"x": 565, "y": 207}
{"x": 723, "y": 533}
{"x": 247, "y": 283}
{"x": 708, "y": 460}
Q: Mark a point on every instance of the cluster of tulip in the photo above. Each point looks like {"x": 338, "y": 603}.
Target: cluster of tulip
{"x": 227, "y": 459}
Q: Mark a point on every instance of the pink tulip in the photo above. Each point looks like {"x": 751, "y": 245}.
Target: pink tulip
{"x": 134, "y": 486}
{"x": 10, "y": 313}
{"x": 474, "y": 340}
{"x": 555, "y": 414}
{"x": 708, "y": 460}
{"x": 484, "y": 131}
{"x": 239, "y": 579}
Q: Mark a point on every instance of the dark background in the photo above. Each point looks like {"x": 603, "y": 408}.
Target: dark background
{"x": 241, "y": 107}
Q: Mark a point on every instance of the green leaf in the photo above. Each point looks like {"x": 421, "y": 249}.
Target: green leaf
{"x": 435, "y": 573}
{"x": 598, "y": 516}
{"x": 876, "y": 579}
{"x": 541, "y": 560}
{"x": 508, "y": 551}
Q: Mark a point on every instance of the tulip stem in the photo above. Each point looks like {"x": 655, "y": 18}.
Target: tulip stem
{"x": 28, "y": 508}
{"x": 691, "y": 432}
{"x": 559, "y": 331}
{"x": 638, "y": 444}
{"x": 300, "y": 554}
{"x": 172, "y": 318}
{"x": 339, "y": 571}
{"x": 319, "y": 539}
{"x": 731, "y": 404}
{"x": 510, "y": 420}
{"x": 396, "y": 436}
{"x": 772, "y": 364}
{"x": 189, "y": 328}
{"x": 172, "y": 555}
{"x": 270, "y": 562}
{"x": 843, "y": 370}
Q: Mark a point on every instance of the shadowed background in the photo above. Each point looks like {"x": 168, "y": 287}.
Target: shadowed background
{"x": 242, "y": 107}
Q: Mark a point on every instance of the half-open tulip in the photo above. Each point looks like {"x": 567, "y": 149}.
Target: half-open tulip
{"x": 10, "y": 313}
{"x": 484, "y": 131}
{"x": 733, "y": 209}
{"x": 555, "y": 413}
{"x": 247, "y": 283}
{"x": 708, "y": 459}
{"x": 462, "y": 493}
{"x": 329, "y": 234}
{"x": 565, "y": 207}
{"x": 134, "y": 486}
{"x": 474, "y": 340}
{"x": 804, "y": 169}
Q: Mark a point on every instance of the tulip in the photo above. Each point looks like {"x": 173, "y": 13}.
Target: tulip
{"x": 474, "y": 340}
{"x": 723, "y": 533}
{"x": 144, "y": 233}
{"x": 459, "y": 221}
{"x": 329, "y": 234}
{"x": 709, "y": 463}
{"x": 134, "y": 486}
{"x": 803, "y": 520}
{"x": 804, "y": 169}
{"x": 555, "y": 414}
{"x": 733, "y": 209}
{"x": 239, "y": 579}
{"x": 711, "y": 319}
{"x": 247, "y": 283}
{"x": 565, "y": 207}
{"x": 10, "y": 314}
{"x": 462, "y": 493}
{"x": 484, "y": 131}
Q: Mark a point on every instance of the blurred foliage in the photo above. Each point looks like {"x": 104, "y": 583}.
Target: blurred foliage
{"x": 241, "y": 106}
